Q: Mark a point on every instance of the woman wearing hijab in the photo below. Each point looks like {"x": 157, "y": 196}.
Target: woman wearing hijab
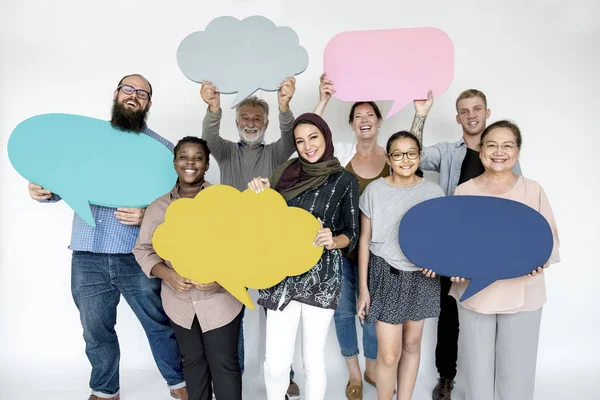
{"x": 316, "y": 182}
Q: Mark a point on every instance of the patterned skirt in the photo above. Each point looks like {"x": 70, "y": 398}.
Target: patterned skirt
{"x": 398, "y": 296}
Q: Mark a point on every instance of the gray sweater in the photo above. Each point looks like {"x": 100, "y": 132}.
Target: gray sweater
{"x": 385, "y": 205}
{"x": 239, "y": 164}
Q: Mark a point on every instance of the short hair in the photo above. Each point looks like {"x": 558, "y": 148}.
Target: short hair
{"x": 358, "y": 103}
{"x": 469, "y": 93}
{"x": 503, "y": 124}
{"x": 196, "y": 140}
{"x": 252, "y": 101}
{"x": 138, "y": 75}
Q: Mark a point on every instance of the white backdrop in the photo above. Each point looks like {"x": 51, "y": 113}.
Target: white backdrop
{"x": 537, "y": 62}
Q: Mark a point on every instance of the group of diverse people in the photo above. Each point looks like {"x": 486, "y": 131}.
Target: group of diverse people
{"x": 359, "y": 192}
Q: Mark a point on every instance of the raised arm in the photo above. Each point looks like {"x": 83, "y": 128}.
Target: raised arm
{"x": 211, "y": 124}
{"x": 422, "y": 108}
{"x": 432, "y": 157}
{"x": 284, "y": 146}
{"x": 326, "y": 90}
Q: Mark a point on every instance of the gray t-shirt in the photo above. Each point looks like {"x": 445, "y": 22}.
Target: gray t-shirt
{"x": 385, "y": 205}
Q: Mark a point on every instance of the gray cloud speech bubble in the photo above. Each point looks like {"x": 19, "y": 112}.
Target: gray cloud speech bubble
{"x": 242, "y": 56}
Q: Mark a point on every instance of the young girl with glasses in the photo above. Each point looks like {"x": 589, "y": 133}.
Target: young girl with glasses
{"x": 395, "y": 294}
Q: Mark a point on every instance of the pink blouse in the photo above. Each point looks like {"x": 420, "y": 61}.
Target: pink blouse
{"x": 508, "y": 296}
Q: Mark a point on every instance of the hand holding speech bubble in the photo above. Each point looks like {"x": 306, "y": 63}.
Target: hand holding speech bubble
{"x": 85, "y": 160}
{"x": 407, "y": 64}
{"x": 480, "y": 238}
{"x": 242, "y": 56}
{"x": 241, "y": 239}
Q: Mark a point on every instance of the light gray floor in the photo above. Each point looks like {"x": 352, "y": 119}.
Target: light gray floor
{"x": 561, "y": 375}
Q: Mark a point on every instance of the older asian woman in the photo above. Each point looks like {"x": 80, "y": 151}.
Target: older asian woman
{"x": 500, "y": 325}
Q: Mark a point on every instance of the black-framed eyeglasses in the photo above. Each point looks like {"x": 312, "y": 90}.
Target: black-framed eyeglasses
{"x": 141, "y": 93}
{"x": 399, "y": 156}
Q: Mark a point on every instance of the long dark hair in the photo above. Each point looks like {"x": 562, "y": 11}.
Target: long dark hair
{"x": 402, "y": 135}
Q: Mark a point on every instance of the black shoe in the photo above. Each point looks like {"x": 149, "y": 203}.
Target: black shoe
{"x": 442, "y": 390}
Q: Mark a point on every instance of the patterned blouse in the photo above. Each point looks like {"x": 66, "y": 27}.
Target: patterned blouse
{"x": 336, "y": 203}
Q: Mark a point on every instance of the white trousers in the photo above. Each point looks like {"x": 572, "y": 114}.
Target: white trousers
{"x": 498, "y": 354}
{"x": 282, "y": 327}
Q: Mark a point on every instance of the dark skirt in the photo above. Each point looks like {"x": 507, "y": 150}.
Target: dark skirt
{"x": 398, "y": 296}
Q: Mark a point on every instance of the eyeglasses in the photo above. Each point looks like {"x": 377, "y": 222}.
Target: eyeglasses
{"x": 507, "y": 147}
{"x": 141, "y": 93}
{"x": 399, "y": 156}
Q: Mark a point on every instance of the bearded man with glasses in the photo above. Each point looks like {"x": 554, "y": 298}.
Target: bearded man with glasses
{"x": 103, "y": 268}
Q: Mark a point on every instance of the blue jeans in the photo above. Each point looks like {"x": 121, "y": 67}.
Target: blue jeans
{"x": 97, "y": 282}
{"x": 345, "y": 317}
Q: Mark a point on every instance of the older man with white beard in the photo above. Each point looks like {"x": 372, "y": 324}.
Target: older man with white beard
{"x": 241, "y": 161}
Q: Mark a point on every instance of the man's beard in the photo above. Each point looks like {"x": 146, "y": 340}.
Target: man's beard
{"x": 128, "y": 120}
{"x": 251, "y": 140}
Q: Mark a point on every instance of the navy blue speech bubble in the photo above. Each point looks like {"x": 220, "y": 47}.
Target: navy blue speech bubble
{"x": 480, "y": 238}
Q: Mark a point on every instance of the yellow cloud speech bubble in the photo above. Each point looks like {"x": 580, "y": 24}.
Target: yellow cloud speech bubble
{"x": 238, "y": 239}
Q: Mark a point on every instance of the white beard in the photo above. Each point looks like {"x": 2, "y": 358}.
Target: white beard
{"x": 251, "y": 139}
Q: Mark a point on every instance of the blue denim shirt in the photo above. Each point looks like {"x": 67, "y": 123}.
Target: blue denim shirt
{"x": 447, "y": 158}
{"x": 109, "y": 236}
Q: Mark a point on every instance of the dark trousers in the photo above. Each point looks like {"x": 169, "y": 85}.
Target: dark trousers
{"x": 446, "y": 350}
{"x": 211, "y": 357}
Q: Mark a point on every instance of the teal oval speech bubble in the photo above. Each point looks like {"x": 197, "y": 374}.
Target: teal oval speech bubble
{"x": 85, "y": 160}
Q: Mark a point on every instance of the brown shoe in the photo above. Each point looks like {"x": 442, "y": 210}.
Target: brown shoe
{"x": 354, "y": 392}
{"x": 180, "y": 394}
{"x": 369, "y": 380}
{"x": 94, "y": 397}
{"x": 442, "y": 390}
{"x": 293, "y": 392}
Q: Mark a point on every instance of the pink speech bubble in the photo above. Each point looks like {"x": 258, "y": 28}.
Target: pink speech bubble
{"x": 393, "y": 64}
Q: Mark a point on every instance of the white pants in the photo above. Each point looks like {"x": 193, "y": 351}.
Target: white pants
{"x": 498, "y": 354}
{"x": 282, "y": 327}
